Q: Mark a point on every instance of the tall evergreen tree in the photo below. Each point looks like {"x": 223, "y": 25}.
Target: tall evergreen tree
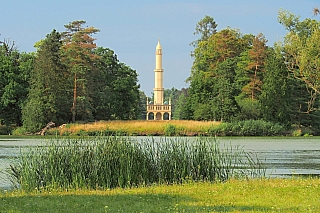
{"x": 48, "y": 95}
{"x": 79, "y": 57}
{"x": 257, "y": 55}
{"x": 249, "y": 76}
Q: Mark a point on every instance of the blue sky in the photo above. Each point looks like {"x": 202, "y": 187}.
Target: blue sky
{"x": 132, "y": 28}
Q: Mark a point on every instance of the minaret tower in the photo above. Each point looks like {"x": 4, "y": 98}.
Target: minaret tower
{"x": 158, "y": 109}
{"x": 158, "y": 76}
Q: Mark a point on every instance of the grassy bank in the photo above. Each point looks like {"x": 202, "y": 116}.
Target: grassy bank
{"x": 171, "y": 128}
{"x": 137, "y": 127}
{"x": 268, "y": 195}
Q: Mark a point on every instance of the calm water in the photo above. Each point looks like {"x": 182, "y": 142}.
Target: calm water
{"x": 283, "y": 157}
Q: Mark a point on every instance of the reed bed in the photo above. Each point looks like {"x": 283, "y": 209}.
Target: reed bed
{"x": 138, "y": 127}
{"x": 112, "y": 162}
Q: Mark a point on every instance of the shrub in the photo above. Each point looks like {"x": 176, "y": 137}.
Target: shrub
{"x": 247, "y": 128}
{"x": 170, "y": 130}
{"x": 19, "y": 131}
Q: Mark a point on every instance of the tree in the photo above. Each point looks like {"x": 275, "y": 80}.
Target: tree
{"x": 301, "y": 49}
{"x": 173, "y": 96}
{"x": 211, "y": 92}
{"x": 78, "y": 48}
{"x": 14, "y": 73}
{"x": 257, "y": 55}
{"x": 182, "y": 109}
{"x": 116, "y": 89}
{"x": 142, "y": 105}
{"x": 48, "y": 95}
{"x": 249, "y": 76}
{"x": 205, "y": 28}
{"x": 277, "y": 94}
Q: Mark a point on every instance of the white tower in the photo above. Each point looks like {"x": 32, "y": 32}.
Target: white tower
{"x": 158, "y": 77}
{"x": 158, "y": 109}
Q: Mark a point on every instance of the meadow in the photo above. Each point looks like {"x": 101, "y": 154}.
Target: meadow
{"x": 255, "y": 195}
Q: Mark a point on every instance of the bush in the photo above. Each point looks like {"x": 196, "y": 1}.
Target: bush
{"x": 247, "y": 128}
{"x": 170, "y": 130}
{"x": 19, "y": 131}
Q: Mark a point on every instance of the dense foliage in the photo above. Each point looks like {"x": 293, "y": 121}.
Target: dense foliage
{"x": 237, "y": 77}
{"x": 68, "y": 79}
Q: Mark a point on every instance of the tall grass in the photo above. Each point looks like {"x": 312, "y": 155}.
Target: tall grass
{"x": 110, "y": 162}
{"x": 137, "y": 127}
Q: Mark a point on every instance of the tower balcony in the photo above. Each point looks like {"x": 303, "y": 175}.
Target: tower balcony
{"x": 159, "y": 108}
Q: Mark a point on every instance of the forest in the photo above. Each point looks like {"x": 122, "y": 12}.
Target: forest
{"x": 234, "y": 77}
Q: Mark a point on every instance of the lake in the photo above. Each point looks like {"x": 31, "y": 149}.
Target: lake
{"x": 283, "y": 157}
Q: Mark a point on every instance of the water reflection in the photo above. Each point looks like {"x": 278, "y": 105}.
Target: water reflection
{"x": 285, "y": 156}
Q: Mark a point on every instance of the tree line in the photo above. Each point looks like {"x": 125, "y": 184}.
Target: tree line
{"x": 234, "y": 77}
{"x": 67, "y": 79}
{"x": 238, "y": 77}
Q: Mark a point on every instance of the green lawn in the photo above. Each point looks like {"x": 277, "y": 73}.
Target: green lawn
{"x": 270, "y": 195}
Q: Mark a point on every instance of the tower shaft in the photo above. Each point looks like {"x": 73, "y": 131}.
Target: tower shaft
{"x": 158, "y": 75}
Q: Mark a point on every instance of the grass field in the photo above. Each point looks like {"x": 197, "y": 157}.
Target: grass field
{"x": 268, "y": 195}
{"x": 141, "y": 127}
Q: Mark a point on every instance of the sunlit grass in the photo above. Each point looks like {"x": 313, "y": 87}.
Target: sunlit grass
{"x": 255, "y": 195}
{"x": 140, "y": 127}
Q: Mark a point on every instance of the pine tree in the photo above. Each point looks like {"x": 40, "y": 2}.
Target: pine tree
{"x": 48, "y": 95}
{"x": 80, "y": 59}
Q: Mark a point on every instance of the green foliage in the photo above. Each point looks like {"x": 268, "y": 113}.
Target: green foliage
{"x": 116, "y": 90}
{"x": 73, "y": 82}
{"x": 14, "y": 73}
{"x": 79, "y": 57}
{"x": 181, "y": 109}
{"x": 111, "y": 162}
{"x": 172, "y": 95}
{"x": 48, "y": 97}
{"x": 206, "y": 27}
{"x": 277, "y": 94}
{"x": 211, "y": 93}
{"x": 250, "y": 109}
{"x": 301, "y": 50}
{"x": 247, "y": 128}
{"x": 170, "y": 130}
{"x": 19, "y": 131}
